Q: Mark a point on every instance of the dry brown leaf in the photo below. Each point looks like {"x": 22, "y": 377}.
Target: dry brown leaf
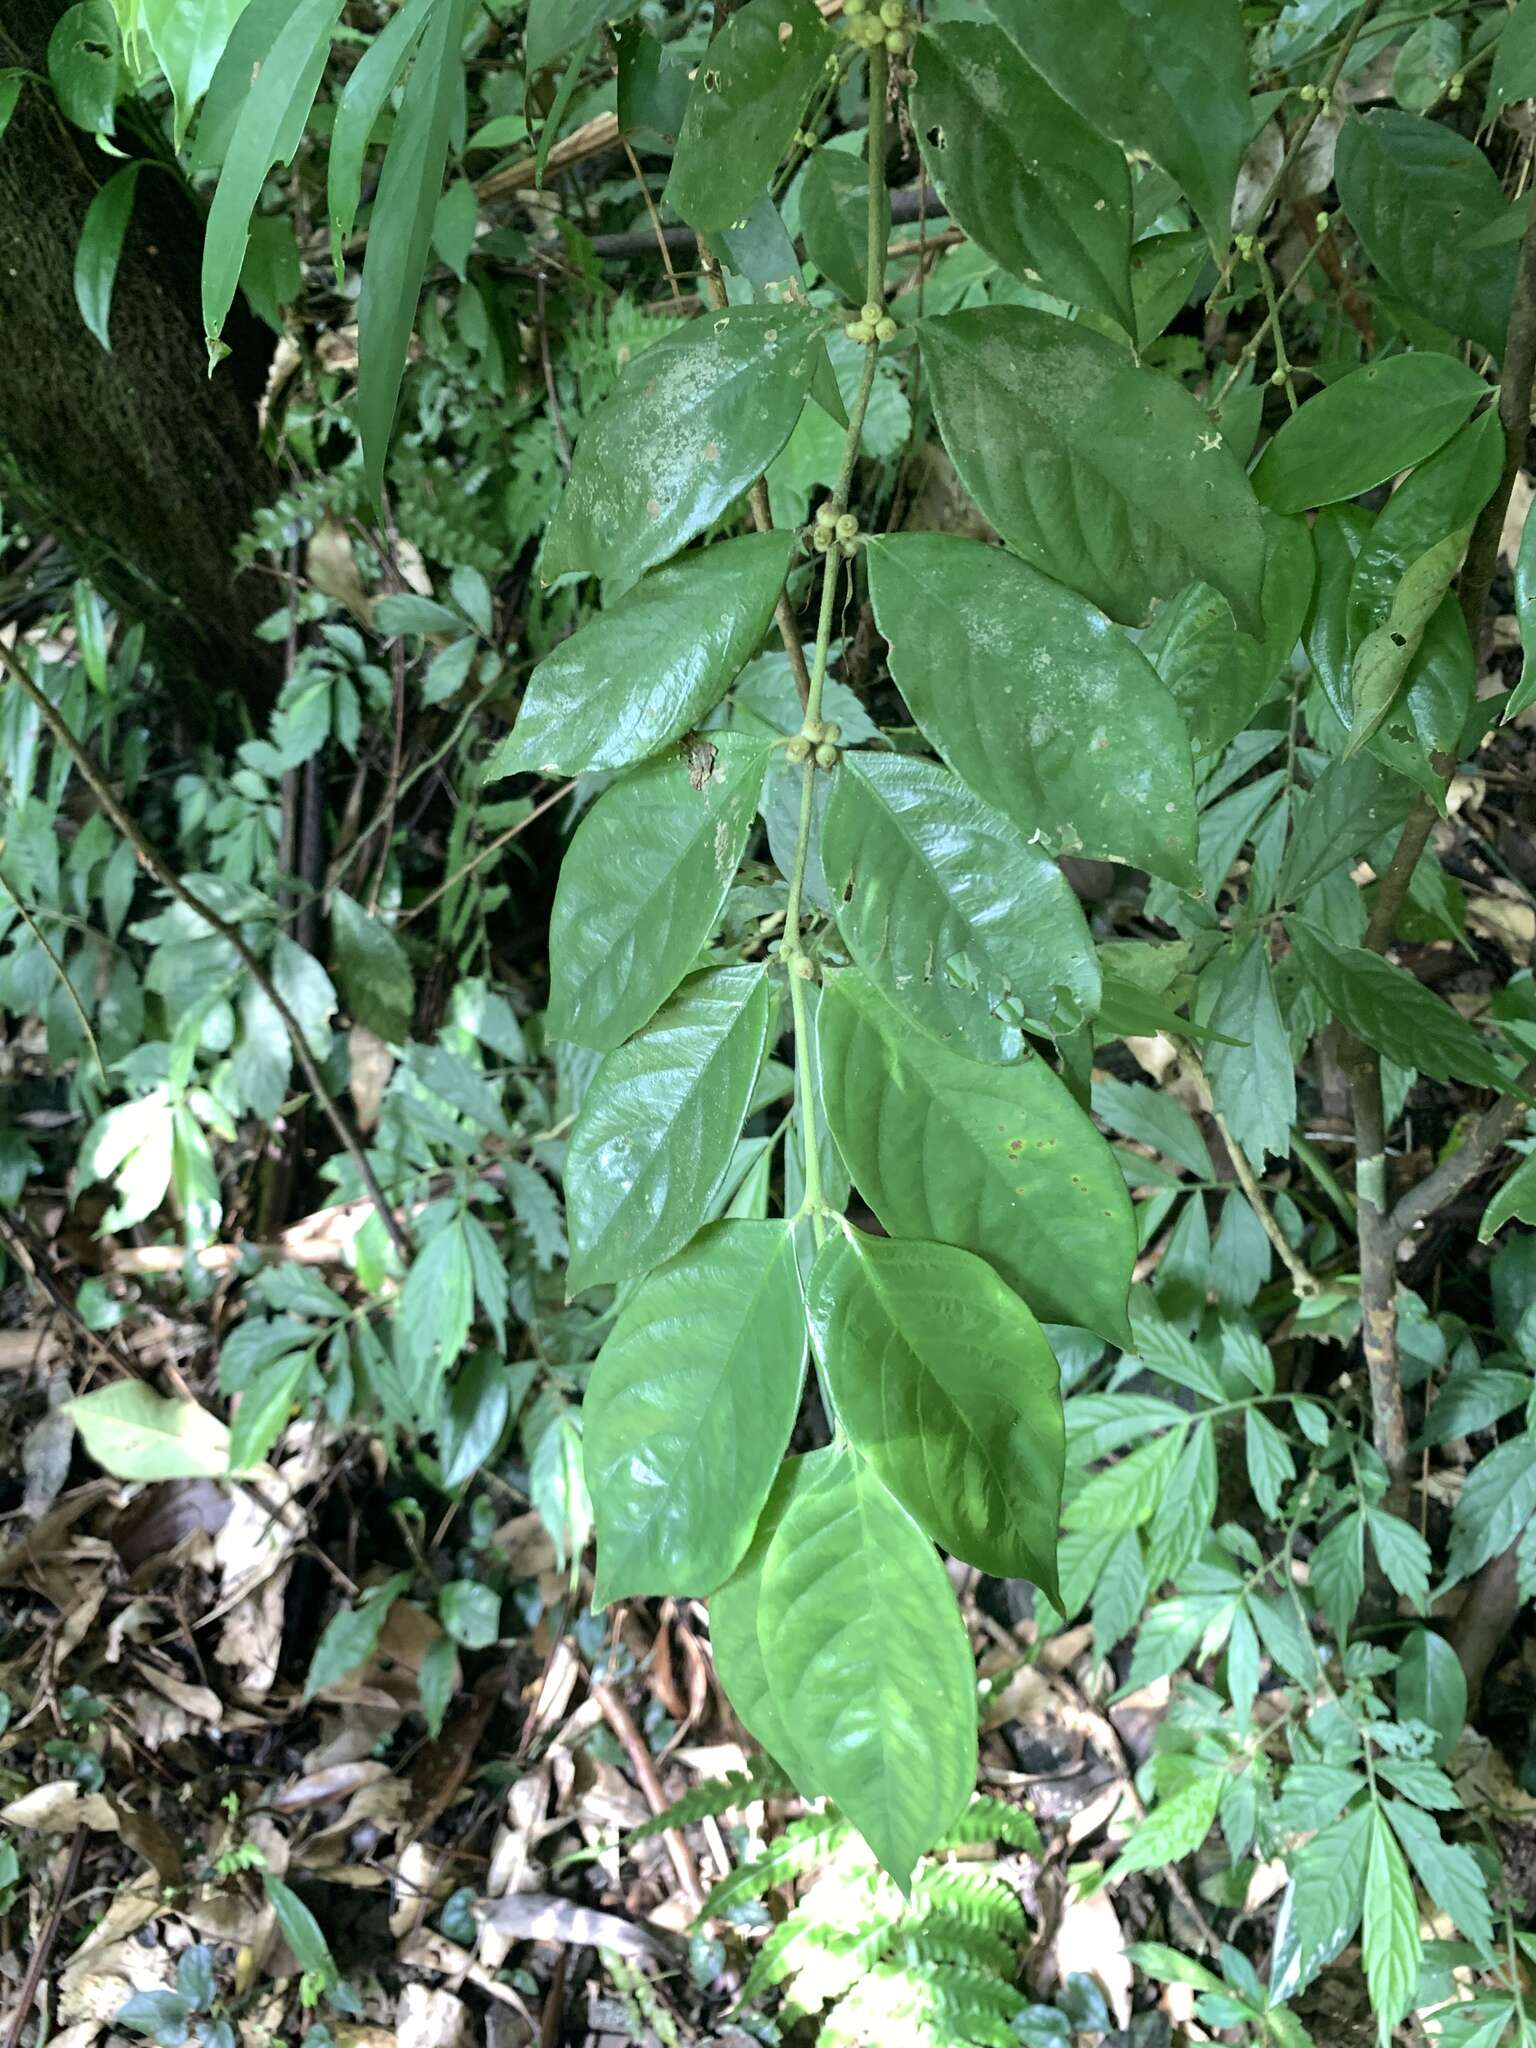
{"x": 1089, "y": 1942}
{"x": 331, "y": 568}
{"x": 196, "y": 1700}
{"x": 1508, "y": 920}
{"x": 429, "y": 2017}
{"x": 369, "y": 1066}
{"x": 540, "y": 1916}
{"x": 60, "y": 1808}
{"x": 325, "y": 1788}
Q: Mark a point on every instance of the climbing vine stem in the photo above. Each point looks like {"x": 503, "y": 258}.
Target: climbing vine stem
{"x": 814, "y": 747}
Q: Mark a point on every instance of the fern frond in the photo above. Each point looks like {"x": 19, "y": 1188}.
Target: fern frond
{"x": 971, "y": 1893}
{"x": 764, "y": 1780}
{"x": 941, "y": 1940}
{"x": 952, "y": 2004}
{"x": 802, "y": 1844}
{"x": 994, "y": 1820}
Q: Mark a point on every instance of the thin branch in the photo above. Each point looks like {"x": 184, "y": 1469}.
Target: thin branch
{"x": 167, "y": 876}
{"x": 1305, "y": 1280}
{"x": 656, "y": 227}
{"x": 1472, "y": 1156}
{"x": 42, "y": 1952}
{"x": 478, "y": 860}
{"x": 643, "y": 1765}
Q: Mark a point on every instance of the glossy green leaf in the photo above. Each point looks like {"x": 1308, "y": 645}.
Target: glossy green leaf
{"x": 1170, "y": 81}
{"x": 362, "y": 101}
{"x": 1392, "y": 1011}
{"x": 695, "y": 420}
{"x": 741, "y": 1657}
{"x": 264, "y": 1409}
{"x": 100, "y": 247}
{"x": 648, "y": 670}
{"x": 475, "y": 1412}
{"x": 372, "y": 970}
{"x": 134, "y": 1433}
{"x": 946, "y": 1384}
{"x": 1155, "y": 1119}
{"x": 948, "y": 907}
{"x": 1349, "y": 807}
{"x": 267, "y": 131}
{"x": 1106, "y": 475}
{"x": 1496, "y": 1505}
{"x": 1164, "y": 271}
{"x": 1524, "y": 693}
{"x": 689, "y": 1411}
{"x": 1390, "y": 1936}
{"x": 834, "y": 219}
{"x": 400, "y": 238}
{"x": 998, "y": 1160}
{"x": 351, "y": 1635}
{"x": 1385, "y": 656}
{"x": 1358, "y": 432}
{"x": 1321, "y": 1907}
{"x": 1048, "y": 711}
{"x": 1253, "y": 1083}
{"x": 654, "y": 1139}
{"x": 11, "y": 82}
{"x": 642, "y": 886}
{"x": 868, "y": 1660}
{"x": 1417, "y": 194}
{"x": 1517, "y": 1199}
{"x": 556, "y": 26}
{"x": 470, "y": 1612}
{"x": 1174, "y": 1828}
{"x": 435, "y": 1683}
{"x": 299, "y": 1927}
{"x": 84, "y": 66}
{"x": 1216, "y": 674}
{"x": 1440, "y": 499}
{"x": 188, "y": 39}
{"x": 1032, "y": 183}
{"x": 437, "y": 1305}
{"x": 749, "y": 90}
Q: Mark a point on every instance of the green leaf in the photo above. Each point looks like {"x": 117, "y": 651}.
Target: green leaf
{"x": 1321, "y": 1906}
{"x": 476, "y": 1408}
{"x": 1169, "y": 81}
{"x": 1337, "y": 1571}
{"x": 1170, "y": 1967}
{"x": 1253, "y": 1083}
{"x": 1364, "y": 429}
{"x": 1448, "y": 1872}
{"x": 300, "y": 1929}
{"x": 1049, "y": 712}
{"x": 470, "y": 1613}
{"x": 437, "y": 1304}
{"x": 1217, "y": 675}
{"x": 268, "y": 130}
{"x": 400, "y": 238}
{"x": 362, "y": 101}
{"x": 435, "y": 1683}
{"x": 1152, "y": 1118}
{"x": 1417, "y": 194}
{"x": 998, "y": 1160}
{"x": 1514, "y": 62}
{"x": 372, "y": 970}
{"x": 1175, "y": 1827}
{"x": 1351, "y": 805}
{"x": 1517, "y": 1198}
{"x": 84, "y": 66}
{"x": 1392, "y": 1011}
{"x": 648, "y": 670}
{"x": 1495, "y": 1505}
{"x": 1391, "y": 1934}
{"x": 100, "y": 246}
{"x": 188, "y": 38}
{"x": 454, "y": 226}
{"x": 750, "y": 88}
{"x": 946, "y": 1384}
{"x": 133, "y": 1433}
{"x": 867, "y": 1659}
{"x": 948, "y": 907}
{"x": 695, "y": 420}
{"x": 689, "y": 1411}
{"x": 264, "y": 1408}
{"x": 557, "y": 1484}
{"x": 1402, "y": 1554}
{"x": 351, "y": 1636}
{"x": 643, "y": 884}
{"x": 1106, "y": 475}
{"x": 1426, "y": 64}
{"x": 1314, "y": 1794}
{"x": 653, "y": 1143}
{"x": 1032, "y": 183}
{"x": 11, "y": 82}
{"x": 1438, "y": 500}
{"x": 1270, "y": 1464}
{"x": 1385, "y": 656}
{"x": 834, "y": 219}
{"x": 555, "y": 26}
{"x": 1183, "y": 1515}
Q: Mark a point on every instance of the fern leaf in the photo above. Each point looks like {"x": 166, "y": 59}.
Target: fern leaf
{"x": 717, "y": 1795}
{"x": 973, "y": 1895}
{"x": 995, "y": 1820}
{"x": 802, "y": 1844}
{"x": 940, "y": 1940}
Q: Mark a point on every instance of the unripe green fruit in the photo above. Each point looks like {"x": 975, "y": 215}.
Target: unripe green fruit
{"x": 893, "y": 13}
{"x": 869, "y": 312}
{"x": 827, "y": 755}
{"x": 847, "y": 526}
{"x": 885, "y": 330}
{"x": 896, "y": 41}
{"x": 859, "y": 331}
{"x": 798, "y": 751}
{"x": 803, "y": 967}
{"x": 821, "y": 538}
{"x": 854, "y": 8}
{"x": 826, "y": 513}
{"x": 832, "y": 731}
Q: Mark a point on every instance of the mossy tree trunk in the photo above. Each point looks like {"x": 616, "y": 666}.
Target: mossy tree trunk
{"x": 141, "y": 466}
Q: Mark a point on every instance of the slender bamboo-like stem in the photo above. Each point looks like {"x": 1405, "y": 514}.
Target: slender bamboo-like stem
{"x": 1306, "y": 1281}
{"x": 168, "y": 878}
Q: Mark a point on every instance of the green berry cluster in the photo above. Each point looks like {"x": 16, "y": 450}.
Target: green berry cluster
{"x": 873, "y": 324}
{"x": 876, "y": 24}
{"x": 817, "y": 740}
{"x": 834, "y": 529}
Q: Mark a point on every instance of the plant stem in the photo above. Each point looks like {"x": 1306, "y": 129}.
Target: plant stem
{"x": 167, "y": 876}
{"x": 1306, "y": 1281}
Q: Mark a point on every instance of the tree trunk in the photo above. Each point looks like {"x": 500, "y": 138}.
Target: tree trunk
{"x": 143, "y": 467}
